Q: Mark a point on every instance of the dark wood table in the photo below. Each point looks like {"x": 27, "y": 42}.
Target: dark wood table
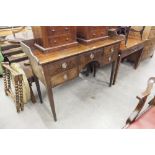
{"x": 134, "y": 46}
{"x": 57, "y": 67}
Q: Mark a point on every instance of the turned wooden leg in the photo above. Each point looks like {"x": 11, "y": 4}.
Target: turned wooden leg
{"x": 17, "y": 95}
{"x": 38, "y": 89}
{"x": 21, "y": 93}
{"x": 5, "y": 81}
{"x": 51, "y": 100}
{"x": 112, "y": 73}
{"x": 138, "y": 59}
{"x": 117, "y": 68}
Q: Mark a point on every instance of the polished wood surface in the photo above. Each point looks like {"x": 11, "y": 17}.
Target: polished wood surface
{"x": 79, "y": 49}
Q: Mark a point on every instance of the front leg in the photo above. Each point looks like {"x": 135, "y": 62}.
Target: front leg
{"x": 51, "y": 100}
{"x": 117, "y": 68}
{"x": 112, "y": 73}
{"x": 140, "y": 52}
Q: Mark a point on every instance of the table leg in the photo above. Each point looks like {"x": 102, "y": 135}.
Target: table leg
{"x": 51, "y": 100}
{"x": 117, "y": 68}
{"x": 138, "y": 59}
{"x": 112, "y": 73}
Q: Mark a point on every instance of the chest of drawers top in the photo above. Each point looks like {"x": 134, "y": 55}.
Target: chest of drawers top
{"x": 55, "y": 37}
{"x": 89, "y": 34}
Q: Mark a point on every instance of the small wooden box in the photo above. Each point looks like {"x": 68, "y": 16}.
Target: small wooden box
{"x": 89, "y": 34}
{"x": 54, "y": 37}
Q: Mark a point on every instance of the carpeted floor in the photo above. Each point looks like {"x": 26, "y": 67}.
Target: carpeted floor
{"x": 85, "y": 102}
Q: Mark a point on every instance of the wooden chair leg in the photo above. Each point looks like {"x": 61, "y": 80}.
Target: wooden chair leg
{"x": 94, "y": 69}
{"x": 33, "y": 98}
{"x": 38, "y": 89}
{"x": 51, "y": 100}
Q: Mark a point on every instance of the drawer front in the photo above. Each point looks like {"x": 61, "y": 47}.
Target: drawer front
{"x": 111, "y": 49}
{"x": 62, "y": 65}
{"x": 64, "y": 76}
{"x": 94, "y": 55}
{"x": 110, "y": 58}
{"x": 60, "y": 40}
{"x": 96, "y": 31}
{"x": 59, "y": 30}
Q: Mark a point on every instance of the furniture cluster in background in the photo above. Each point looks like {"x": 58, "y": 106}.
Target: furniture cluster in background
{"x": 58, "y": 54}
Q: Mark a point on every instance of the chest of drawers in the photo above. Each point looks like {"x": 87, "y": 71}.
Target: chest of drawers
{"x": 89, "y": 34}
{"x": 54, "y": 37}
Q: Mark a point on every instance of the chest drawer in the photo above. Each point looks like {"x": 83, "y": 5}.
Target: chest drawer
{"x": 60, "y": 40}
{"x": 97, "y": 32}
{"x": 93, "y": 55}
{"x": 64, "y": 76}
{"x": 62, "y": 65}
{"x": 59, "y": 30}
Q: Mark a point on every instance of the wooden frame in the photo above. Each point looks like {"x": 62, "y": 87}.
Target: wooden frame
{"x": 18, "y": 79}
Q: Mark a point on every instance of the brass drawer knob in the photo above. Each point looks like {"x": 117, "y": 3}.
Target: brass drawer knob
{"x": 64, "y": 65}
{"x": 65, "y": 77}
{"x": 91, "y": 56}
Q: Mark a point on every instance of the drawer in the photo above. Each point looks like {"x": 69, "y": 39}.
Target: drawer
{"x": 93, "y": 55}
{"x": 63, "y": 65}
{"x": 64, "y": 76}
{"x": 60, "y": 40}
{"x": 58, "y": 30}
{"x": 111, "y": 49}
{"x": 108, "y": 58}
{"x": 98, "y": 32}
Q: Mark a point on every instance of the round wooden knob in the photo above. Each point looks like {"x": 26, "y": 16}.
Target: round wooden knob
{"x": 64, "y": 65}
{"x": 55, "y": 41}
{"x": 92, "y": 56}
{"x": 65, "y": 77}
{"x": 67, "y": 39}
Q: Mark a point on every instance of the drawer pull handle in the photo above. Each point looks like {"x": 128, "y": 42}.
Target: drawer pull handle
{"x": 55, "y": 41}
{"x": 66, "y": 28}
{"x": 94, "y": 34}
{"x": 109, "y": 59}
{"x": 67, "y": 39}
{"x": 65, "y": 77}
{"x": 53, "y": 30}
{"x": 64, "y": 65}
{"x": 112, "y": 50}
{"x": 92, "y": 56}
